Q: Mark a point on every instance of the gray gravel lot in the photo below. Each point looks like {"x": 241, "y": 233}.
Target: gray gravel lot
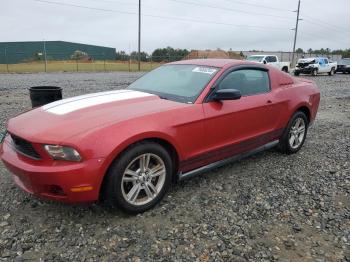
{"x": 269, "y": 207}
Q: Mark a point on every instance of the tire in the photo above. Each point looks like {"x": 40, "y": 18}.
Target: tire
{"x": 131, "y": 190}
{"x": 296, "y": 73}
{"x": 285, "y": 144}
{"x": 314, "y": 72}
{"x": 285, "y": 69}
{"x": 332, "y": 72}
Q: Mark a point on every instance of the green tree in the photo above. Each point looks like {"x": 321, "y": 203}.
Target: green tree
{"x": 135, "y": 56}
{"x": 168, "y": 54}
{"x": 122, "y": 56}
{"x": 299, "y": 51}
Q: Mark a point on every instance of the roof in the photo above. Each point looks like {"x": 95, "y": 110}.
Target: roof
{"x": 211, "y": 62}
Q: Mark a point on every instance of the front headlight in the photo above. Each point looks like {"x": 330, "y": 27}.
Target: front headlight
{"x": 63, "y": 153}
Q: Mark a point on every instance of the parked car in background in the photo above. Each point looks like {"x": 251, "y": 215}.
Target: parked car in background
{"x": 314, "y": 66}
{"x": 270, "y": 60}
{"x": 344, "y": 66}
{"x": 128, "y": 146}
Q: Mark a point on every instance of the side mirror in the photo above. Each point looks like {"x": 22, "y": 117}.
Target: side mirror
{"x": 226, "y": 94}
{"x": 264, "y": 62}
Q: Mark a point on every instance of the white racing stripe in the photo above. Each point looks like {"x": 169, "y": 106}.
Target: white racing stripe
{"x": 80, "y": 102}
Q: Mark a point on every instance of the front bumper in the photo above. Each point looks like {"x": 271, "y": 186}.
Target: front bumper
{"x": 343, "y": 70}
{"x": 68, "y": 182}
{"x": 304, "y": 70}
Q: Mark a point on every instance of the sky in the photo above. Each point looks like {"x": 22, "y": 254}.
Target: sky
{"x": 240, "y": 25}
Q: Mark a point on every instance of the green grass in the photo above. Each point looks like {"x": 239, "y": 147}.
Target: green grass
{"x": 73, "y": 66}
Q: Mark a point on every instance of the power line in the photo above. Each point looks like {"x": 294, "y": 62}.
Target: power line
{"x": 229, "y": 9}
{"x": 114, "y": 2}
{"x": 323, "y": 24}
{"x": 158, "y": 16}
{"x": 321, "y": 37}
{"x": 257, "y": 5}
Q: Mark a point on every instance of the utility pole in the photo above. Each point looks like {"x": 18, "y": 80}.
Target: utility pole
{"x": 45, "y": 56}
{"x": 296, "y": 32}
{"x": 139, "y": 44}
{"x": 7, "y": 63}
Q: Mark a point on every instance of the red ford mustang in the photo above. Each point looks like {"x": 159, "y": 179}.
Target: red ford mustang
{"x": 183, "y": 118}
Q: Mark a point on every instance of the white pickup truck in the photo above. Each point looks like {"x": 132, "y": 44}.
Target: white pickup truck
{"x": 270, "y": 60}
{"x": 314, "y": 66}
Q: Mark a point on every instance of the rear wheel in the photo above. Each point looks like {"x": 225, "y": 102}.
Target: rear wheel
{"x": 294, "y": 135}
{"x": 331, "y": 72}
{"x": 139, "y": 179}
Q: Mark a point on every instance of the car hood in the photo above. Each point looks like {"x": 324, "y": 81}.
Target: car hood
{"x": 306, "y": 60}
{"x": 57, "y": 121}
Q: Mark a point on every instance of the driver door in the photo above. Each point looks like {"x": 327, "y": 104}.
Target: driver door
{"x": 234, "y": 126}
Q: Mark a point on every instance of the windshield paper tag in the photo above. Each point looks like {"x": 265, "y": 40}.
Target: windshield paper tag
{"x": 204, "y": 70}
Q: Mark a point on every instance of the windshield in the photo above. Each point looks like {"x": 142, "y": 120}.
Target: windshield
{"x": 307, "y": 61}
{"x": 344, "y": 62}
{"x": 255, "y": 58}
{"x": 182, "y": 83}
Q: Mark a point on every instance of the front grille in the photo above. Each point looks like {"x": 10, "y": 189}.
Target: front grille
{"x": 302, "y": 65}
{"x": 24, "y": 147}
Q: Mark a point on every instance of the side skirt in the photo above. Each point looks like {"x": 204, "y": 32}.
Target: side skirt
{"x": 198, "y": 171}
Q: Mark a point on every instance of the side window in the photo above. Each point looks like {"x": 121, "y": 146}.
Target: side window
{"x": 273, "y": 59}
{"x": 326, "y": 61}
{"x": 267, "y": 59}
{"x": 248, "y": 81}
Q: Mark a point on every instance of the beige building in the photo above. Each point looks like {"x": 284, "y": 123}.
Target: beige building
{"x": 196, "y": 54}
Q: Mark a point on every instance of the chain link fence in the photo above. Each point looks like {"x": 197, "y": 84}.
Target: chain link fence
{"x": 22, "y": 62}
{"x": 79, "y": 62}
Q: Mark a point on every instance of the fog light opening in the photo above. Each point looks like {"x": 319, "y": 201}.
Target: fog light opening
{"x": 56, "y": 190}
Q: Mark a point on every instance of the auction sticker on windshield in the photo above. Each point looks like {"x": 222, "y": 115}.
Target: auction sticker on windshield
{"x": 205, "y": 70}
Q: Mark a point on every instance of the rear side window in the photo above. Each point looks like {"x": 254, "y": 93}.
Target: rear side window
{"x": 248, "y": 81}
{"x": 272, "y": 59}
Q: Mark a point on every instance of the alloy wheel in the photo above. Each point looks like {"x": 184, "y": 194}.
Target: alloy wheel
{"x": 297, "y": 133}
{"x": 143, "y": 179}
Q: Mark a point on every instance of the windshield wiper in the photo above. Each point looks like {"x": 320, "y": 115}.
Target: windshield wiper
{"x": 163, "y": 97}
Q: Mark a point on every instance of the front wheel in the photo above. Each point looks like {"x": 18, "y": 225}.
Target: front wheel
{"x": 139, "y": 178}
{"x": 294, "y": 135}
{"x": 314, "y": 72}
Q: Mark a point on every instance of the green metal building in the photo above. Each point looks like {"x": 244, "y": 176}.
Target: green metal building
{"x": 20, "y": 52}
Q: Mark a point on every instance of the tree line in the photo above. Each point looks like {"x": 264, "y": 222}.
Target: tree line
{"x": 345, "y": 53}
{"x": 169, "y": 54}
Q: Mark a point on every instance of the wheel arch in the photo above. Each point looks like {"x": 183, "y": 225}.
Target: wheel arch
{"x": 306, "y": 110}
{"x": 285, "y": 69}
{"x": 161, "y": 140}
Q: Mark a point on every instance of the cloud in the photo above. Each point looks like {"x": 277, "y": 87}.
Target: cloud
{"x": 32, "y": 20}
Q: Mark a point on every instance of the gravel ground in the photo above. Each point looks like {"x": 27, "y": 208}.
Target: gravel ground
{"x": 269, "y": 207}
